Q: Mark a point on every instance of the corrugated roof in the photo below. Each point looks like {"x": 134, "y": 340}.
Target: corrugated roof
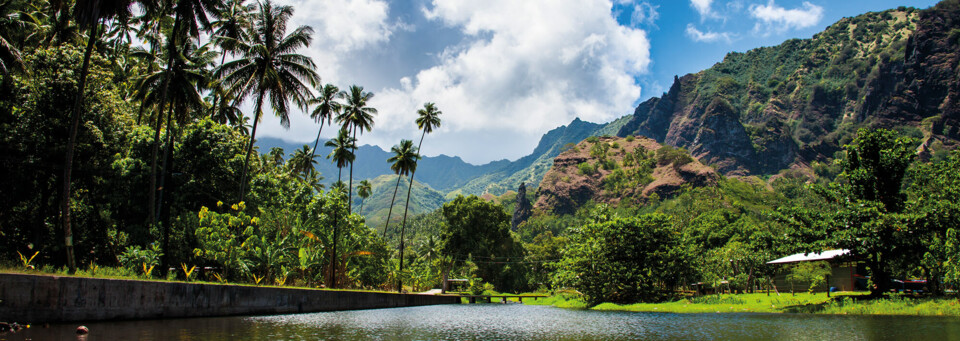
{"x": 809, "y": 257}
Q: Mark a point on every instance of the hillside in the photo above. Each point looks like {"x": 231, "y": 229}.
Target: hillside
{"x": 375, "y": 208}
{"x": 764, "y": 110}
{"x": 613, "y": 170}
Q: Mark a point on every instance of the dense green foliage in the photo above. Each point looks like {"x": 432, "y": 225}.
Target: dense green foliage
{"x": 601, "y": 260}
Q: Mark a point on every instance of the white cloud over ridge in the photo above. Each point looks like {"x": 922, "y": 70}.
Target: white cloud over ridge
{"x": 517, "y": 70}
{"x": 709, "y": 36}
{"x": 527, "y": 67}
{"x": 776, "y": 18}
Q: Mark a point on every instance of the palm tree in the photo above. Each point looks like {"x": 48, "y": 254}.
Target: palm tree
{"x": 428, "y": 118}
{"x": 327, "y": 106}
{"x": 190, "y": 15}
{"x": 88, "y": 14}
{"x": 342, "y": 153}
{"x": 11, "y": 23}
{"x": 230, "y": 27}
{"x": 356, "y": 115}
{"x": 302, "y": 161}
{"x": 403, "y": 161}
{"x": 363, "y": 190}
{"x": 275, "y": 156}
{"x": 269, "y": 65}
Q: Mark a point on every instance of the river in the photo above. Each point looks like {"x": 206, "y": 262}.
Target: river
{"x": 512, "y": 322}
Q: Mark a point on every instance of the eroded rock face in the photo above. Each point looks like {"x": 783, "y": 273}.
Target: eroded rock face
{"x": 722, "y": 139}
{"x": 566, "y": 187}
{"x": 774, "y": 108}
{"x": 523, "y": 210}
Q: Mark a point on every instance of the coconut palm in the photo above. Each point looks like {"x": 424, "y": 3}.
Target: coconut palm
{"x": 269, "y": 65}
{"x": 356, "y": 115}
{"x": 88, "y": 14}
{"x": 302, "y": 161}
{"x": 275, "y": 156}
{"x": 326, "y": 107}
{"x": 12, "y": 22}
{"x": 403, "y": 161}
{"x": 427, "y": 119}
{"x": 363, "y": 190}
{"x": 190, "y": 15}
{"x": 230, "y": 27}
{"x": 342, "y": 153}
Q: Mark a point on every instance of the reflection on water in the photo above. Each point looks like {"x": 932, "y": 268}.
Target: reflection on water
{"x": 512, "y": 322}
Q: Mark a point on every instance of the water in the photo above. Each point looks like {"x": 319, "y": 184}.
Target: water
{"x": 512, "y": 322}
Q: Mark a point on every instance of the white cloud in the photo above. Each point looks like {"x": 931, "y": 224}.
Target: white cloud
{"x": 526, "y": 67}
{"x": 644, "y": 14}
{"x": 703, "y": 7}
{"x": 776, "y": 18}
{"x": 517, "y": 70}
{"x": 709, "y": 36}
{"x": 341, "y": 28}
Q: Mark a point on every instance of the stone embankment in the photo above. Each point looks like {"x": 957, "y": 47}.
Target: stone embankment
{"x": 41, "y": 299}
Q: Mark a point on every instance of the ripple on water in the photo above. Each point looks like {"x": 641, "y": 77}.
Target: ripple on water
{"x": 514, "y": 322}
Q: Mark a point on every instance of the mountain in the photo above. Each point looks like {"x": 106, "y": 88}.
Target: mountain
{"x": 614, "y": 170}
{"x": 423, "y": 199}
{"x": 777, "y": 107}
{"x": 441, "y": 172}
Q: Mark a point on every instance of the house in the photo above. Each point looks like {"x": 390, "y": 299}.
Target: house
{"x": 846, "y": 273}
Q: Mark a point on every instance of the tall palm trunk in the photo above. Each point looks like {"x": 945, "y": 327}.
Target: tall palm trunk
{"x": 350, "y": 186}
{"x": 216, "y": 96}
{"x": 253, "y": 135}
{"x": 171, "y": 50}
{"x": 71, "y": 144}
{"x": 313, "y": 152}
{"x": 403, "y": 224}
{"x": 390, "y": 212}
{"x": 167, "y": 151}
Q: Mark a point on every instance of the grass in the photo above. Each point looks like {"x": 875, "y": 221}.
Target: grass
{"x": 845, "y": 303}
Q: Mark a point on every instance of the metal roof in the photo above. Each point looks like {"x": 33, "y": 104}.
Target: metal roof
{"x": 810, "y": 257}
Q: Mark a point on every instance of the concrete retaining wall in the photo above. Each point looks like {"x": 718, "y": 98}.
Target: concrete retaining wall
{"x": 39, "y": 299}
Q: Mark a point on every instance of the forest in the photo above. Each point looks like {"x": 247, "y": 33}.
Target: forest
{"x": 126, "y": 154}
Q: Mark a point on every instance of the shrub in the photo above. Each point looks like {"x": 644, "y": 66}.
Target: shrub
{"x": 586, "y": 168}
{"x": 593, "y": 139}
{"x": 630, "y": 138}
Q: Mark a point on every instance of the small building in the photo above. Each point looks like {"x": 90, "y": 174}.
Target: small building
{"x": 846, "y": 274}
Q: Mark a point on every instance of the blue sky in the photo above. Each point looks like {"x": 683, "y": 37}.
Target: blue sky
{"x": 504, "y": 72}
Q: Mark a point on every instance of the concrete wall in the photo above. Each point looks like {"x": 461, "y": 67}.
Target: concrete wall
{"x": 38, "y": 299}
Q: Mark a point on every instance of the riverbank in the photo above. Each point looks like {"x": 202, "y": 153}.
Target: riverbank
{"x": 840, "y": 303}
{"x": 38, "y": 299}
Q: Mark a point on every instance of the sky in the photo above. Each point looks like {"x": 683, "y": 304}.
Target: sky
{"x": 504, "y": 72}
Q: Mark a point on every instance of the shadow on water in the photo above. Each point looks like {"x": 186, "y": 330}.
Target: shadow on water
{"x": 511, "y": 322}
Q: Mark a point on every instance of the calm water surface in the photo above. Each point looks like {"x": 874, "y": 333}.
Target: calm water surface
{"x": 513, "y": 322}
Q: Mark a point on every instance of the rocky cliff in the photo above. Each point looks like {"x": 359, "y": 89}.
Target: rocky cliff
{"x": 771, "y": 108}
{"x": 613, "y": 170}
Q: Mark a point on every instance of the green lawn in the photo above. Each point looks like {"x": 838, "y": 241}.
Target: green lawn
{"x": 839, "y": 303}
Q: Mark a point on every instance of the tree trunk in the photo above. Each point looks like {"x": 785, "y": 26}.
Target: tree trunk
{"x": 167, "y": 151}
{"x": 350, "y": 186}
{"x": 403, "y": 224}
{"x": 313, "y": 152}
{"x": 216, "y": 96}
{"x": 71, "y": 145}
{"x": 390, "y": 212}
{"x": 171, "y": 50}
{"x": 253, "y": 134}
